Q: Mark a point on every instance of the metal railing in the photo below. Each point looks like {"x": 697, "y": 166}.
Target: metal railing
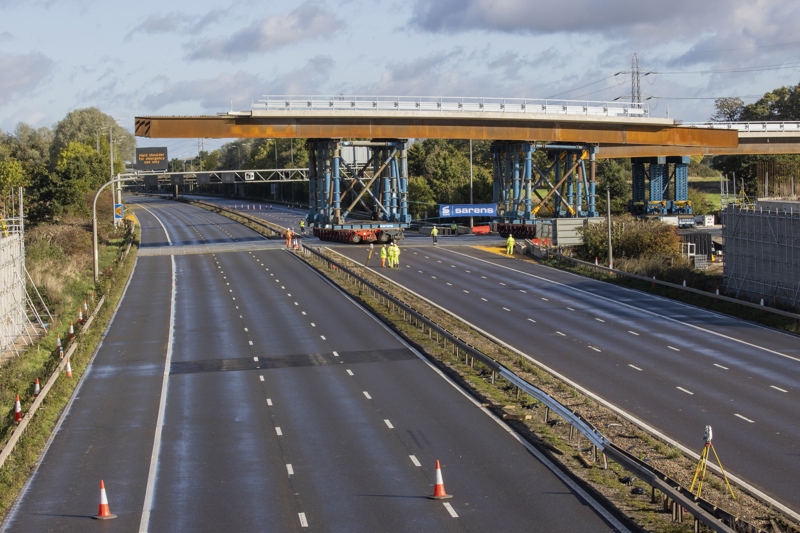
{"x": 748, "y": 127}
{"x": 448, "y": 104}
{"x": 677, "y": 496}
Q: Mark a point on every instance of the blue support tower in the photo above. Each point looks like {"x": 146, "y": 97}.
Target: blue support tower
{"x": 668, "y": 191}
{"x": 377, "y": 190}
{"x": 569, "y": 189}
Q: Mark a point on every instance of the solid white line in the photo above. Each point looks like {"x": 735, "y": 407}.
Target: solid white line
{"x": 350, "y": 372}
{"x": 335, "y": 354}
{"x": 289, "y": 469}
{"x": 303, "y": 521}
{"x": 450, "y": 509}
{"x": 149, "y": 492}
{"x": 278, "y": 431}
{"x": 261, "y": 378}
{"x": 778, "y": 388}
{"x": 367, "y": 395}
{"x": 389, "y": 424}
{"x": 633, "y": 333}
{"x": 269, "y": 401}
{"x": 415, "y": 460}
{"x": 673, "y": 348}
{"x": 743, "y": 418}
{"x": 684, "y": 390}
{"x": 722, "y": 367}
{"x": 635, "y": 367}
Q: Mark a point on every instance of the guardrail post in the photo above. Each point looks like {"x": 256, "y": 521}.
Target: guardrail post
{"x": 546, "y": 414}
{"x": 571, "y": 431}
{"x": 492, "y": 377}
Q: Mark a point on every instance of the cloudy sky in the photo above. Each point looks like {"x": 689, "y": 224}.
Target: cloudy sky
{"x": 172, "y": 57}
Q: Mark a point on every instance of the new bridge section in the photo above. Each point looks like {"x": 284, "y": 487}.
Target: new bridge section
{"x": 675, "y": 367}
{"x": 284, "y": 409}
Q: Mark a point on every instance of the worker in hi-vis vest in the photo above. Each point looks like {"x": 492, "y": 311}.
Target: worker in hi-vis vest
{"x": 434, "y": 234}
{"x": 510, "y": 245}
{"x": 383, "y": 256}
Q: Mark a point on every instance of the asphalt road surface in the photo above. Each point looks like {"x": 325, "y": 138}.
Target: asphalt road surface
{"x": 238, "y": 391}
{"x": 672, "y": 366}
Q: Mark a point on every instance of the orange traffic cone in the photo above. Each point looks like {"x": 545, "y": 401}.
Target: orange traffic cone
{"x": 17, "y": 411}
{"x": 36, "y": 388}
{"x": 68, "y": 370}
{"x": 71, "y": 331}
{"x": 85, "y": 307}
{"x": 103, "y": 513}
{"x": 80, "y": 316}
{"x": 58, "y": 341}
{"x": 438, "y": 489}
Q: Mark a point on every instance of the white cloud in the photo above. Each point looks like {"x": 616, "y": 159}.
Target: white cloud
{"x": 309, "y": 21}
{"x": 20, "y": 74}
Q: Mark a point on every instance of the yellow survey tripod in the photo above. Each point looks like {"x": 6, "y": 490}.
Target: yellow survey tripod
{"x": 703, "y": 464}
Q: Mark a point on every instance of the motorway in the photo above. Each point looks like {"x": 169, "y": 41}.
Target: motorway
{"x": 673, "y": 367}
{"x": 240, "y": 391}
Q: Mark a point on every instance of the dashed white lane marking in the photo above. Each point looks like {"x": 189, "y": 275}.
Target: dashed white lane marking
{"x": 595, "y": 349}
{"x": 278, "y": 431}
{"x": 313, "y": 325}
{"x": 562, "y": 334}
{"x": 420, "y": 271}
{"x": 303, "y": 521}
{"x": 269, "y": 402}
{"x": 450, "y": 509}
{"x": 465, "y": 290}
{"x": 744, "y": 418}
{"x": 484, "y": 277}
{"x": 523, "y": 292}
{"x": 722, "y": 367}
{"x": 506, "y": 309}
{"x": 501, "y": 283}
{"x": 296, "y": 303}
{"x": 484, "y": 299}
{"x": 251, "y": 342}
{"x": 545, "y": 299}
{"x": 289, "y": 469}
{"x": 684, "y": 390}
{"x": 261, "y": 378}
{"x": 336, "y": 354}
{"x": 635, "y": 367}
{"x": 778, "y": 388}
{"x": 245, "y": 329}
{"x": 304, "y": 313}
{"x": 633, "y": 333}
{"x": 449, "y": 283}
{"x": 350, "y": 372}
{"x": 414, "y": 460}
{"x": 673, "y": 348}
{"x": 531, "y": 320}
{"x": 389, "y": 424}
{"x": 599, "y": 319}
{"x": 255, "y": 358}
{"x": 366, "y": 394}
{"x": 323, "y": 337}
{"x": 571, "y": 309}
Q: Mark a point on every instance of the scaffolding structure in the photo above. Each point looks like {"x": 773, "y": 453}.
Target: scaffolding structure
{"x": 762, "y": 254}
{"x": 17, "y": 311}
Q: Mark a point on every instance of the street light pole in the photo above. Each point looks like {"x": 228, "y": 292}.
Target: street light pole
{"x": 94, "y": 220}
{"x": 608, "y": 215}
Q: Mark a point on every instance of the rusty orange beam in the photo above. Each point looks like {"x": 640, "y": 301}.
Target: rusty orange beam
{"x": 336, "y": 125}
{"x": 746, "y": 147}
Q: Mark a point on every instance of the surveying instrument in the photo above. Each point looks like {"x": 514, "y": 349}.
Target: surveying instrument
{"x": 703, "y": 464}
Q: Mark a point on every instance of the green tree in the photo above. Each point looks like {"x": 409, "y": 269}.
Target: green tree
{"x": 728, "y": 109}
{"x": 91, "y": 126}
{"x": 420, "y": 198}
{"x": 612, "y": 176}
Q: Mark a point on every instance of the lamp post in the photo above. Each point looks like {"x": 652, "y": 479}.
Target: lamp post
{"x": 94, "y": 219}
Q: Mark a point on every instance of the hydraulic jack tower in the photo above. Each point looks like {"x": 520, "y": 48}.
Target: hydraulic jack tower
{"x": 375, "y": 189}
{"x": 563, "y": 190}
{"x": 668, "y": 192}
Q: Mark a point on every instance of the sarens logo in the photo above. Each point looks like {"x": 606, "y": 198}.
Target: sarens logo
{"x": 467, "y": 210}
